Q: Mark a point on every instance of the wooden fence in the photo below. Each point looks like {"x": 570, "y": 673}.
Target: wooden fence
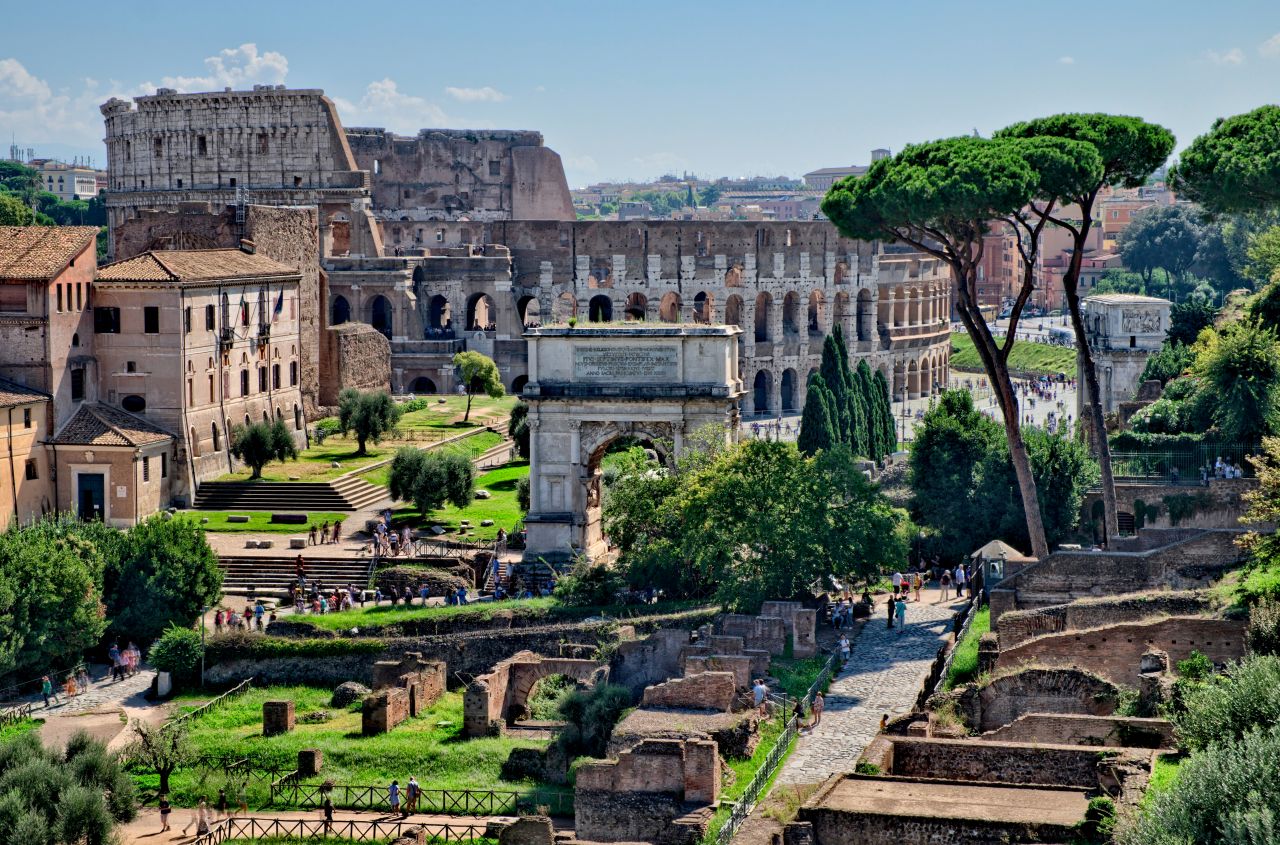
{"x": 352, "y": 829}
{"x": 449, "y": 802}
{"x": 213, "y": 704}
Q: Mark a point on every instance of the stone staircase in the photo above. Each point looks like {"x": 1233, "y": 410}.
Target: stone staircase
{"x": 349, "y": 493}
{"x": 274, "y": 576}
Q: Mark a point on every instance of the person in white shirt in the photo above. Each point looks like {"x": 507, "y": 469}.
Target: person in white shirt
{"x": 959, "y": 574}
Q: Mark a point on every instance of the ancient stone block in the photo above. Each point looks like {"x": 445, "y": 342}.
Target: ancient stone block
{"x": 804, "y": 632}
{"x": 701, "y": 691}
{"x": 310, "y": 761}
{"x": 383, "y": 710}
{"x": 528, "y": 830}
{"x": 277, "y": 717}
{"x": 348, "y": 693}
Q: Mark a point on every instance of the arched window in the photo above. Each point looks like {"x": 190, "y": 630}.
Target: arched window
{"x": 380, "y": 315}
{"x": 481, "y": 315}
{"x": 217, "y": 441}
{"x": 438, "y": 316}
{"x": 600, "y": 309}
{"x": 297, "y": 418}
{"x": 75, "y": 339}
{"x": 293, "y": 373}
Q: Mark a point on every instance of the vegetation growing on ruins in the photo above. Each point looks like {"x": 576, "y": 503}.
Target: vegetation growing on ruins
{"x": 964, "y": 663}
{"x": 550, "y": 609}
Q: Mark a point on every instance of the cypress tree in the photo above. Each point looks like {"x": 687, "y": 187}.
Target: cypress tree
{"x": 866, "y": 391}
{"x": 816, "y": 431}
{"x": 859, "y": 439}
{"x": 889, "y": 430}
{"x": 833, "y": 379}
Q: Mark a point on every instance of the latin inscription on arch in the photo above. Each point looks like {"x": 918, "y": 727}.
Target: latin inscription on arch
{"x": 622, "y": 363}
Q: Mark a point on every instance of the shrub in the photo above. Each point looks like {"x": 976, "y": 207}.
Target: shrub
{"x": 1099, "y": 820}
{"x": 1226, "y": 706}
{"x": 590, "y": 584}
{"x": 1263, "y": 635}
{"x": 589, "y": 717}
{"x": 412, "y": 405}
{"x": 431, "y": 478}
{"x": 522, "y": 493}
{"x": 178, "y": 652}
{"x": 257, "y": 647}
{"x": 1224, "y": 795}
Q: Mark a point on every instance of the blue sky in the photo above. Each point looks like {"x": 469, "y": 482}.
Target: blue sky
{"x": 635, "y": 89}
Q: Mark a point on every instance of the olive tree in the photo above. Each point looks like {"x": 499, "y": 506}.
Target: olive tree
{"x": 478, "y": 374}
{"x": 1130, "y": 149}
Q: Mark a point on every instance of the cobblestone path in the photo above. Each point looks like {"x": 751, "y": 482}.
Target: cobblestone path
{"x": 100, "y": 694}
{"x": 884, "y": 674}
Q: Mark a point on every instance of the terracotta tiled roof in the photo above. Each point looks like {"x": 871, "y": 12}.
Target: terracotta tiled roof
{"x": 40, "y": 252}
{"x": 102, "y": 425}
{"x": 12, "y": 393}
{"x": 193, "y": 265}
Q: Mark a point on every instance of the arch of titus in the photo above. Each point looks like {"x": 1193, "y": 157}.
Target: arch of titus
{"x": 590, "y": 386}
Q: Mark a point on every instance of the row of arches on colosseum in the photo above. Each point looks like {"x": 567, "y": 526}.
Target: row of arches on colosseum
{"x": 377, "y": 311}
{"x": 764, "y": 317}
{"x": 906, "y": 306}
{"x": 771, "y": 390}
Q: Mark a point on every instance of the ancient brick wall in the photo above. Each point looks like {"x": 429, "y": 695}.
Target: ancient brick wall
{"x": 849, "y": 827}
{"x": 500, "y": 695}
{"x": 277, "y": 717}
{"x": 1114, "y": 651}
{"x": 640, "y": 796}
{"x": 990, "y": 762}
{"x": 1009, "y": 696}
{"x": 1021, "y": 625}
{"x": 1222, "y": 504}
{"x": 1062, "y": 729}
{"x": 701, "y": 691}
{"x": 639, "y": 663}
{"x": 382, "y": 711}
{"x": 361, "y": 358}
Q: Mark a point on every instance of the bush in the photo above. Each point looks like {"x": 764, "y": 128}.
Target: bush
{"x": 522, "y": 493}
{"x": 257, "y": 647}
{"x": 589, "y": 717}
{"x": 1263, "y": 635}
{"x": 1224, "y": 795}
{"x": 412, "y": 405}
{"x": 431, "y": 478}
{"x": 1226, "y": 706}
{"x": 590, "y": 584}
{"x": 1099, "y": 821}
{"x": 178, "y": 652}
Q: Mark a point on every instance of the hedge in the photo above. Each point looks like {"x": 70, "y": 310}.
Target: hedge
{"x": 261, "y": 647}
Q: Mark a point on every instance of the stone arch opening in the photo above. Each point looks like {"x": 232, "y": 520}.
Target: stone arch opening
{"x": 817, "y": 326}
{"x": 669, "y": 308}
{"x": 788, "y": 390}
{"x": 600, "y": 309}
{"x": 596, "y": 444}
{"x": 703, "y": 305}
{"x": 565, "y": 306}
{"x": 422, "y": 384}
{"x": 840, "y": 316}
{"x": 637, "y": 307}
{"x": 518, "y": 384}
{"x": 913, "y": 381}
{"x": 530, "y": 311}
{"x": 439, "y": 316}
{"x": 762, "y": 391}
{"x": 380, "y": 315}
{"x": 733, "y": 310}
{"x": 480, "y": 312}
{"x": 791, "y": 313}
{"x": 540, "y": 701}
{"x": 341, "y": 311}
{"x": 866, "y": 316}
{"x": 764, "y": 305}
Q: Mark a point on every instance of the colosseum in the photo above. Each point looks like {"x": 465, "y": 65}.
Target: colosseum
{"x": 459, "y": 239}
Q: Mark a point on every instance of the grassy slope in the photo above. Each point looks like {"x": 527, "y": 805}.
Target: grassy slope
{"x": 964, "y": 666}
{"x": 429, "y": 747}
{"x": 476, "y": 445}
{"x": 1036, "y": 357}
{"x": 501, "y": 507}
{"x": 260, "y": 521}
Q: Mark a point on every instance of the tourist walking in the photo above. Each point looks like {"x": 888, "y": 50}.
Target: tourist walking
{"x": 393, "y": 796}
{"x": 960, "y": 579}
{"x": 165, "y": 810}
{"x": 412, "y": 793}
{"x": 199, "y": 818}
{"x": 818, "y": 704}
{"x": 327, "y": 809}
{"x": 311, "y": 540}
{"x": 759, "y": 695}
{"x": 337, "y": 531}
{"x": 902, "y": 613}
{"x": 845, "y": 649}
{"x": 944, "y": 586}
{"x": 222, "y": 805}
{"x": 889, "y": 607}
{"x": 46, "y": 690}
{"x": 916, "y": 583}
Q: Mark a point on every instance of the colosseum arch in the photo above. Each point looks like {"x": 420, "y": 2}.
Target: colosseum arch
{"x": 637, "y": 307}
{"x": 530, "y": 310}
{"x": 600, "y": 309}
{"x": 762, "y": 392}
{"x": 791, "y": 314}
{"x": 764, "y": 312}
{"x": 480, "y": 312}
{"x": 733, "y": 310}
{"x": 790, "y": 391}
{"x": 703, "y": 307}
{"x": 564, "y": 307}
{"x": 816, "y": 317}
{"x": 438, "y": 315}
{"x": 913, "y": 381}
{"x": 340, "y": 311}
{"x": 669, "y": 308}
{"x": 841, "y": 316}
{"x": 866, "y": 317}
{"x": 381, "y": 315}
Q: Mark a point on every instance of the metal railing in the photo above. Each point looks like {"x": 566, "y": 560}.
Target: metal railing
{"x": 213, "y": 704}
{"x": 351, "y": 829}
{"x": 742, "y": 807}
{"x": 1187, "y": 462}
{"x": 450, "y": 802}
{"x": 929, "y": 689}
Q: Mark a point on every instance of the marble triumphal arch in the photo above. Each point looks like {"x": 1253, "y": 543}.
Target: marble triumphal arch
{"x": 591, "y": 386}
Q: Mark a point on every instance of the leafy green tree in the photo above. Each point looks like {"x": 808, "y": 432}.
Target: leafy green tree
{"x": 259, "y": 444}
{"x": 1264, "y": 254}
{"x": 178, "y": 651}
{"x": 480, "y": 375}
{"x": 816, "y": 434}
{"x": 14, "y": 213}
{"x": 430, "y": 479}
{"x": 518, "y": 428}
{"x": 1233, "y": 167}
{"x": 164, "y": 574}
{"x": 1171, "y": 361}
{"x": 589, "y": 718}
{"x": 1130, "y": 150}
{"x": 876, "y": 447}
{"x": 833, "y": 379}
{"x": 1241, "y": 369}
{"x": 1227, "y": 706}
{"x": 590, "y": 584}
{"x": 939, "y": 198}
{"x": 162, "y": 748}
{"x": 1166, "y": 237}
{"x": 50, "y": 597}
{"x": 1187, "y": 319}
{"x": 369, "y": 416}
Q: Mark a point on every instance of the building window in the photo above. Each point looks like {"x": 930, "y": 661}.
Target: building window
{"x": 262, "y": 379}
{"x": 275, "y": 376}
{"x": 244, "y": 313}
{"x": 211, "y": 387}
{"x": 130, "y": 366}
{"x": 209, "y": 322}
{"x": 297, "y": 181}
{"x": 293, "y": 373}
{"x": 77, "y": 385}
{"x": 186, "y": 319}
{"x": 106, "y": 320}
{"x": 151, "y": 319}
{"x": 244, "y": 382}
{"x": 59, "y": 288}
{"x": 159, "y": 148}
{"x": 233, "y": 184}
{"x": 179, "y": 183}
{"x": 26, "y": 418}
{"x": 164, "y": 465}
{"x": 33, "y": 472}
{"x": 79, "y": 302}
{"x": 202, "y": 146}
{"x": 406, "y": 193}
{"x": 262, "y": 143}
{"x": 146, "y": 469}
{"x": 495, "y": 167}
{"x": 134, "y": 404}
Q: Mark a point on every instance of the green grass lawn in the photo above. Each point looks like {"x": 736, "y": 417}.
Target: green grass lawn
{"x": 1035, "y": 357}
{"x": 429, "y": 747}
{"x": 315, "y": 464}
{"x": 1163, "y": 772}
{"x": 796, "y": 675}
{"x": 964, "y": 666}
{"x": 448, "y": 415}
{"x": 501, "y": 507}
{"x": 259, "y": 521}
{"x": 20, "y": 727}
{"x": 476, "y": 445}
{"x": 550, "y": 607}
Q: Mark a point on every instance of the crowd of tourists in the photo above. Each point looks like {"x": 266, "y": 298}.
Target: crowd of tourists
{"x": 123, "y": 663}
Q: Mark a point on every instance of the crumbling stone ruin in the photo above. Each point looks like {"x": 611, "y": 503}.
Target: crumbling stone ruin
{"x": 498, "y": 698}
{"x": 278, "y": 717}
{"x": 661, "y": 791}
{"x": 423, "y": 680}
{"x": 383, "y": 710}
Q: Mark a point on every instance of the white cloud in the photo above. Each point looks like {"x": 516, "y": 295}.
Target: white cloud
{"x": 1270, "y": 47}
{"x": 1234, "y": 56}
{"x": 36, "y": 114}
{"x": 476, "y": 95}
{"x": 383, "y": 104}
{"x": 235, "y": 67}
{"x": 1066, "y": 60}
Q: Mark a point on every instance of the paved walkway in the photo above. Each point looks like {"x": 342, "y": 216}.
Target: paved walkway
{"x": 883, "y": 675}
